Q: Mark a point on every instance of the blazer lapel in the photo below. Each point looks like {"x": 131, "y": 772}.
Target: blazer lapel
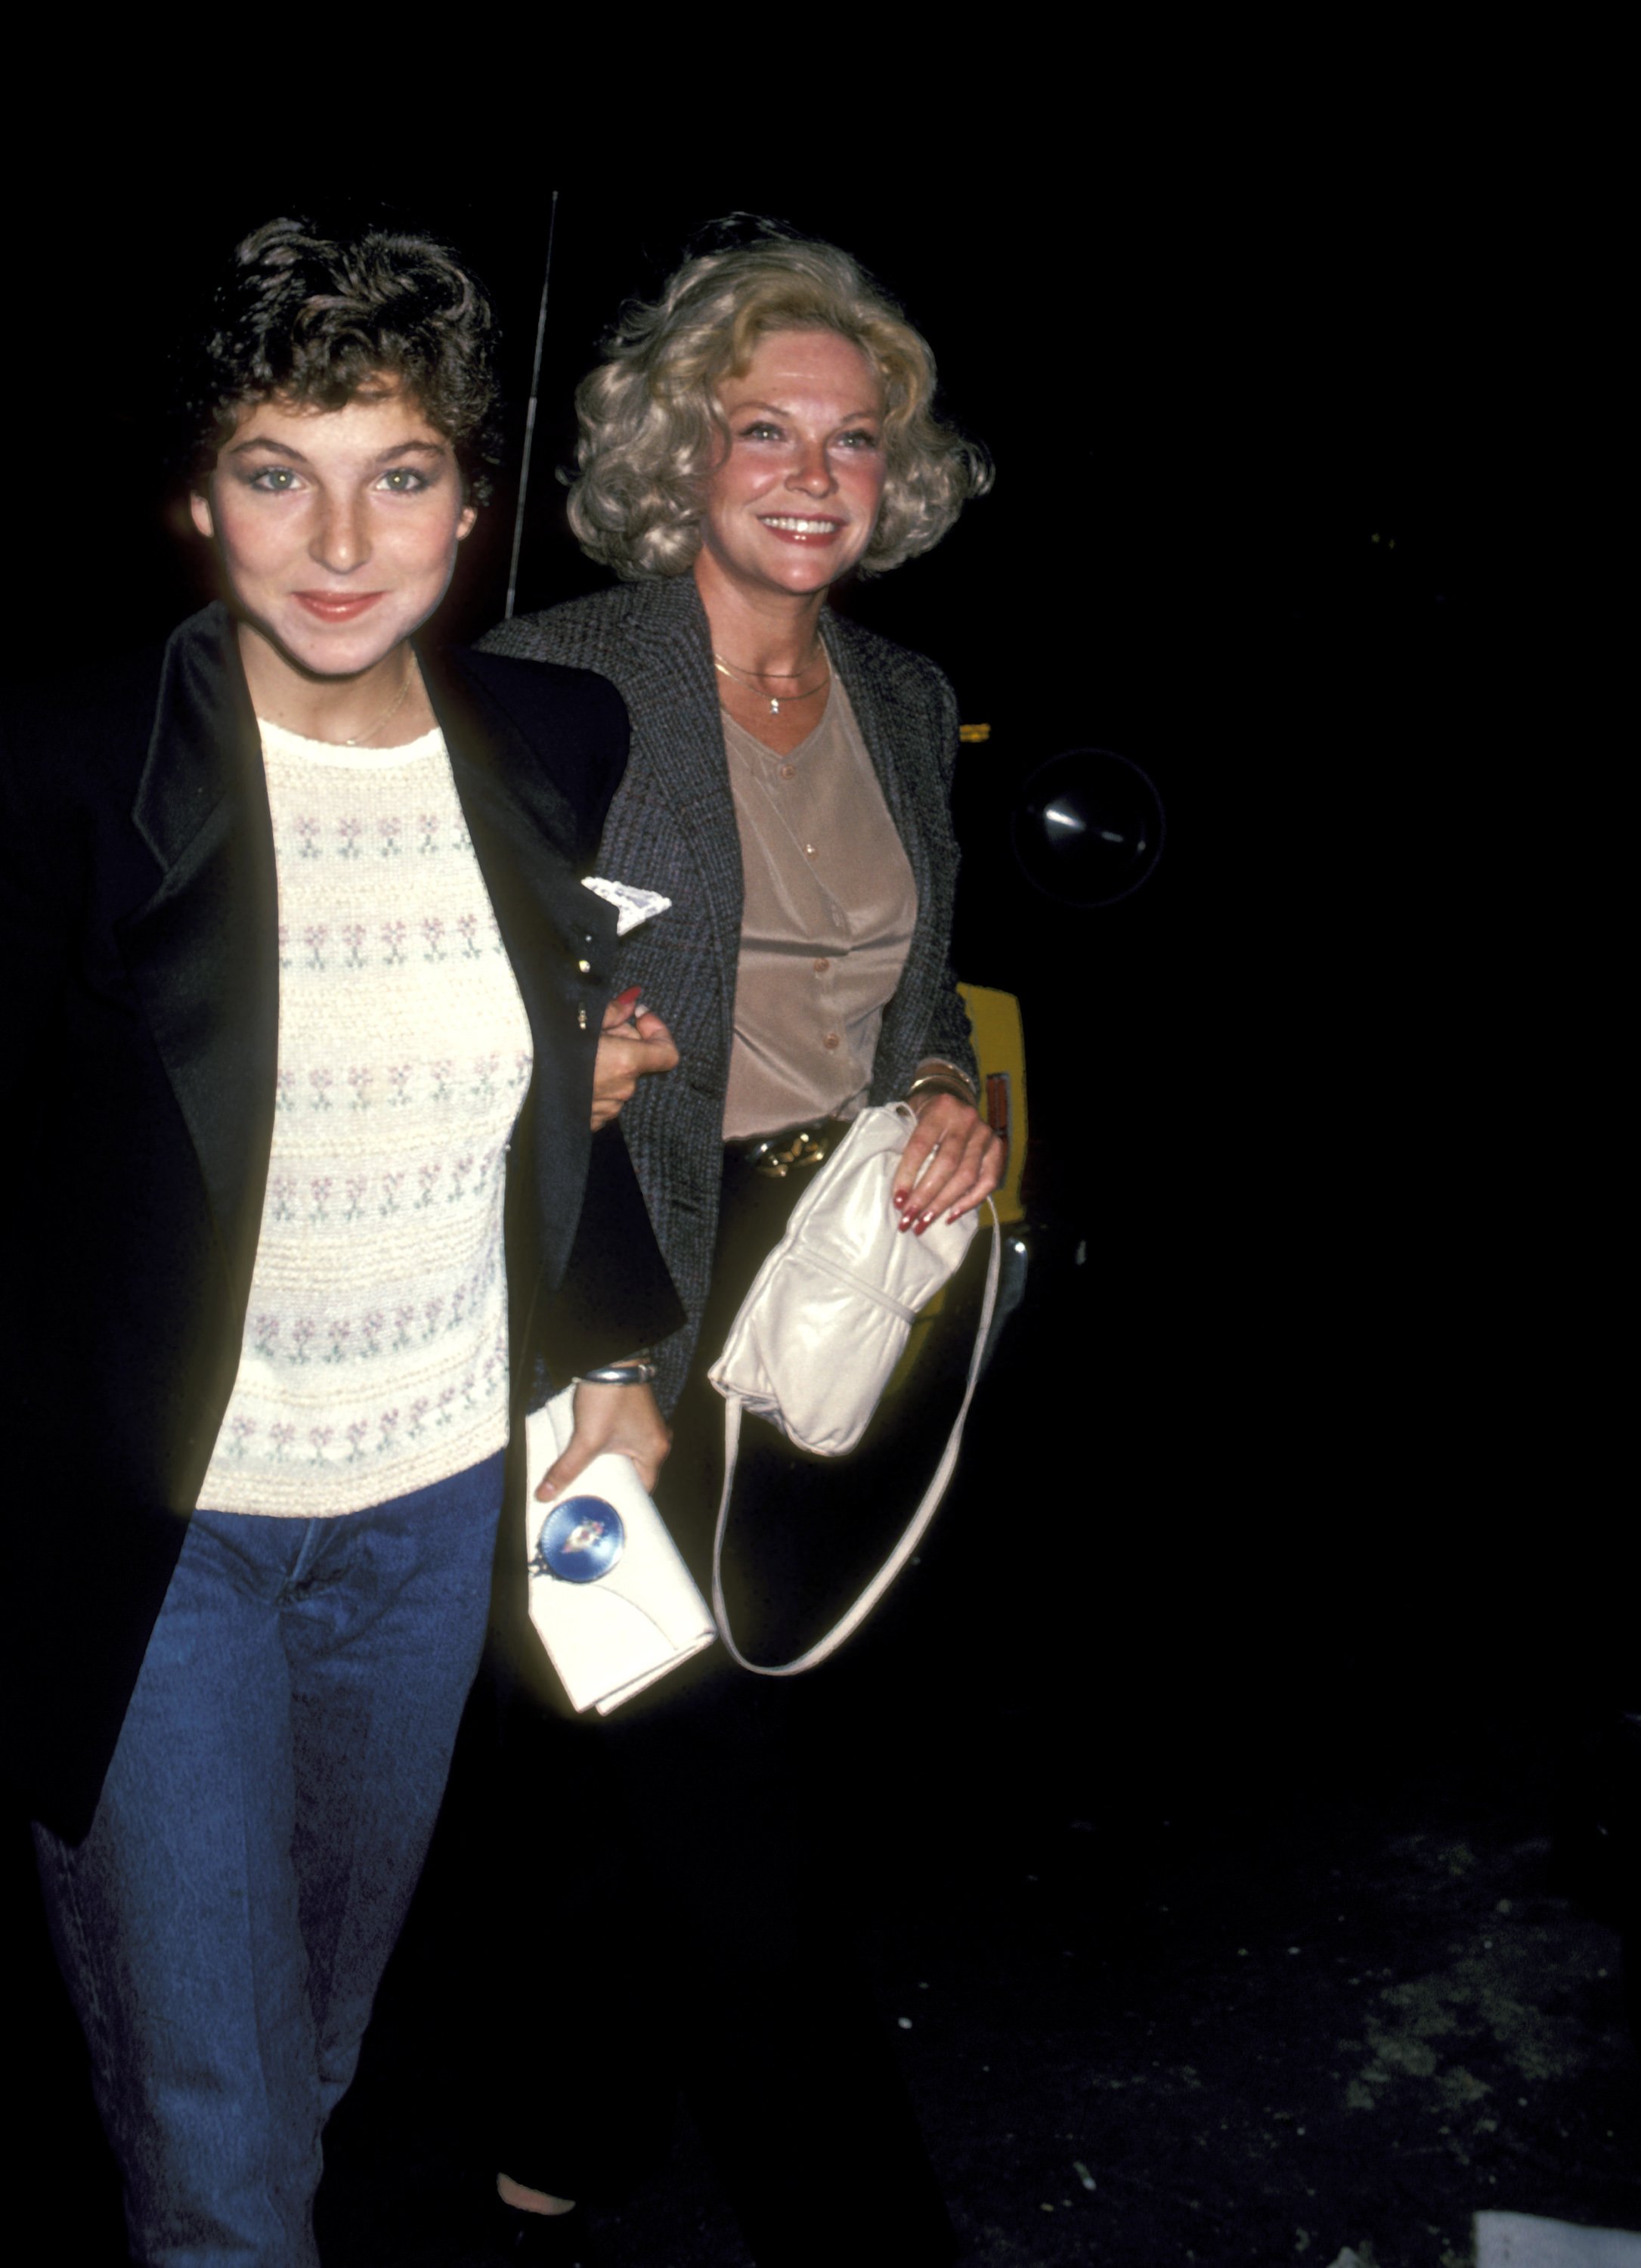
{"x": 202, "y": 952}
{"x": 560, "y": 938}
{"x": 525, "y": 833}
{"x": 671, "y": 692}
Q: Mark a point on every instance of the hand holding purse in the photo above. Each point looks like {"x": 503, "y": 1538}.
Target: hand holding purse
{"x": 610, "y": 1596}
{"x": 820, "y": 1331}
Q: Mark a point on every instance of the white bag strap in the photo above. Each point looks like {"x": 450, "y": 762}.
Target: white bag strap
{"x": 917, "y": 1529}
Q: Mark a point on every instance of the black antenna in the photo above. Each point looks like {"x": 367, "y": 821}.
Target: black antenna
{"x": 529, "y": 419}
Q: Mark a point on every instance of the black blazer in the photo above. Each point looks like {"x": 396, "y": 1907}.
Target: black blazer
{"x": 137, "y": 869}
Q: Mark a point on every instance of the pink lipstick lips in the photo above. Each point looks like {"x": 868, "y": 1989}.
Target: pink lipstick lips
{"x": 338, "y": 606}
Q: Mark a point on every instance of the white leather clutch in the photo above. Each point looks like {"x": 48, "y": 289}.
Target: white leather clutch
{"x": 610, "y": 1596}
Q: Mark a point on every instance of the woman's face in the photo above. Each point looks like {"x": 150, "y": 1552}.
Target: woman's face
{"x": 793, "y": 503}
{"x": 338, "y": 528}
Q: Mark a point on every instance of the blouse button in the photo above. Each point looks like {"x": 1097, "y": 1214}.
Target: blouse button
{"x": 831, "y": 1041}
{"x": 809, "y": 850}
{"x": 585, "y": 967}
{"x": 789, "y": 772}
{"x": 821, "y": 968}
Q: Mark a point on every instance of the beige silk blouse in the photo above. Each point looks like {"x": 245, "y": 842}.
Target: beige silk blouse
{"x": 826, "y": 920}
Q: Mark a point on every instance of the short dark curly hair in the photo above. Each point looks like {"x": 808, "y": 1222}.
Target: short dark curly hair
{"x": 312, "y": 319}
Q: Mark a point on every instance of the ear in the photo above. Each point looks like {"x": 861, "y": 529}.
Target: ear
{"x": 199, "y": 505}
{"x": 464, "y": 525}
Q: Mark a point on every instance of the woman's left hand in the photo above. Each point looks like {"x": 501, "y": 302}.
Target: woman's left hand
{"x": 633, "y": 1044}
{"x": 966, "y": 1162}
{"x": 625, "y": 1418}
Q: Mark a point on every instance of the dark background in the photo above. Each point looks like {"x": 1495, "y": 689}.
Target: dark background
{"x": 1258, "y": 527}
{"x": 1301, "y": 1421}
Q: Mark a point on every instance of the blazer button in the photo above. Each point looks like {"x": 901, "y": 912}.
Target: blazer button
{"x": 585, "y": 967}
{"x": 581, "y": 1018}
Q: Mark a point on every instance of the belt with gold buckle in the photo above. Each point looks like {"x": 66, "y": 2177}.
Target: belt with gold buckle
{"x": 776, "y": 1155}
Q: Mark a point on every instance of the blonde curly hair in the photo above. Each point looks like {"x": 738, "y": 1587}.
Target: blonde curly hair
{"x": 651, "y": 428}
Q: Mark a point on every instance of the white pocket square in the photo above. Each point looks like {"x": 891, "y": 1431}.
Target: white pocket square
{"x": 632, "y": 906}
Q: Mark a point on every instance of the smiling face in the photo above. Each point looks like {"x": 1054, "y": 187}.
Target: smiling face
{"x": 791, "y": 504}
{"x": 338, "y": 528}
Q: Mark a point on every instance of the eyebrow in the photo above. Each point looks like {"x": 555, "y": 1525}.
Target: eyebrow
{"x": 382, "y": 456}
{"x": 849, "y": 418}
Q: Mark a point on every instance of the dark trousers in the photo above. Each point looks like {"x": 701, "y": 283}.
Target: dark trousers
{"x": 706, "y": 1943}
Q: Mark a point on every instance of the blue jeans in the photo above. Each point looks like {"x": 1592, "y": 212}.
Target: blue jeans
{"x": 224, "y": 1925}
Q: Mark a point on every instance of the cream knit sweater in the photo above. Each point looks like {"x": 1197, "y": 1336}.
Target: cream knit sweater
{"x": 375, "y": 1353}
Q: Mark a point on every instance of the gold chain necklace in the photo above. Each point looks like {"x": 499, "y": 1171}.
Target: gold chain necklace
{"x": 393, "y": 708}
{"x": 728, "y": 669}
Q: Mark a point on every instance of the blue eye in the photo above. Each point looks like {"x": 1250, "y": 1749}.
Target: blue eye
{"x": 274, "y": 480}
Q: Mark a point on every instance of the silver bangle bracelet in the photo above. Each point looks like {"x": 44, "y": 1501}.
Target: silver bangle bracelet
{"x": 638, "y": 1372}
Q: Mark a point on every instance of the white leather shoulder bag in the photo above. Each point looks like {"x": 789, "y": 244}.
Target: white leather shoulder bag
{"x": 819, "y": 1334}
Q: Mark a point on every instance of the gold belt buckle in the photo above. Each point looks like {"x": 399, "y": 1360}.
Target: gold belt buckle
{"x": 800, "y": 1149}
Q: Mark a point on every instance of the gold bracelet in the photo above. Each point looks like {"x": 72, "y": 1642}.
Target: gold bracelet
{"x": 943, "y": 1082}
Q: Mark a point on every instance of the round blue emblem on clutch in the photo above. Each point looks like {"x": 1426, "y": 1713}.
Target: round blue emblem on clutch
{"x": 581, "y": 1539}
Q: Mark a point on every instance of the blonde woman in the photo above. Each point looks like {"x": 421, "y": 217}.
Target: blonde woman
{"x": 756, "y": 436}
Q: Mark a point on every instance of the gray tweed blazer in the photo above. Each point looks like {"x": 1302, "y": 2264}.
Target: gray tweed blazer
{"x": 672, "y": 827}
